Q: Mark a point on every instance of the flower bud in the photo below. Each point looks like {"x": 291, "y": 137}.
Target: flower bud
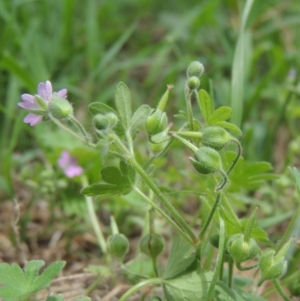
{"x": 193, "y": 83}
{"x": 59, "y": 107}
{"x": 207, "y": 160}
{"x": 117, "y": 245}
{"x": 195, "y": 69}
{"x": 112, "y": 119}
{"x": 156, "y": 122}
{"x": 152, "y": 245}
{"x": 101, "y": 122}
{"x": 214, "y": 240}
{"x": 272, "y": 267}
{"x": 215, "y": 137}
{"x": 242, "y": 250}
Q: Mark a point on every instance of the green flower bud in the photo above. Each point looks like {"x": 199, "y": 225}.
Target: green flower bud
{"x": 215, "y": 137}
{"x": 117, "y": 245}
{"x": 101, "y": 122}
{"x": 156, "y": 122}
{"x": 195, "y": 69}
{"x": 152, "y": 245}
{"x": 112, "y": 119}
{"x": 214, "y": 240}
{"x": 242, "y": 250}
{"x": 271, "y": 267}
{"x": 207, "y": 160}
{"x": 59, "y": 107}
{"x": 193, "y": 83}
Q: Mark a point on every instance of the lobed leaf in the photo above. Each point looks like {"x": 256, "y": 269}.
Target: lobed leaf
{"x": 220, "y": 114}
{"x": 113, "y": 175}
{"x": 191, "y": 286}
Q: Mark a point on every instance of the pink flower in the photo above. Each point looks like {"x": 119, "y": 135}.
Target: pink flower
{"x": 69, "y": 165}
{"x": 30, "y": 103}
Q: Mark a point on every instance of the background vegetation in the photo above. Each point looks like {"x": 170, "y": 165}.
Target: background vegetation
{"x": 89, "y": 46}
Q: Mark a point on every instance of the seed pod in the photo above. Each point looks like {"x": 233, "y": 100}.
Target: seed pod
{"x": 152, "y": 245}
{"x": 207, "y": 160}
{"x": 242, "y": 250}
{"x": 271, "y": 268}
{"x": 193, "y": 83}
{"x": 215, "y": 137}
{"x": 156, "y": 122}
{"x": 59, "y": 107}
{"x": 117, "y": 245}
{"x": 195, "y": 69}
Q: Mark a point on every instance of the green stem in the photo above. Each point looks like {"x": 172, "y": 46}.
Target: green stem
{"x": 230, "y": 272}
{"x": 93, "y": 285}
{"x": 80, "y": 127}
{"x": 280, "y": 290}
{"x": 93, "y": 217}
{"x": 288, "y": 231}
{"x": 154, "y": 265}
{"x": 189, "y": 109}
{"x": 63, "y": 127}
{"x": 224, "y": 182}
{"x": 219, "y": 261}
{"x": 140, "y": 285}
{"x": 165, "y": 215}
{"x": 173, "y": 212}
{"x": 211, "y": 214}
{"x": 239, "y": 153}
{"x": 130, "y": 144}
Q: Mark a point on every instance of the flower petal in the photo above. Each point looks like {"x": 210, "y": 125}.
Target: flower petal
{"x": 62, "y": 93}
{"x": 28, "y": 105}
{"x": 64, "y": 160}
{"x": 73, "y": 171}
{"x": 32, "y": 119}
{"x": 28, "y": 98}
{"x": 45, "y": 90}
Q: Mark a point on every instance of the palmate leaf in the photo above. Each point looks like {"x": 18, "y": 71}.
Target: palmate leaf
{"x": 181, "y": 257}
{"x": 118, "y": 181}
{"x": 18, "y": 284}
{"x": 220, "y": 114}
{"x": 191, "y": 286}
{"x": 248, "y": 175}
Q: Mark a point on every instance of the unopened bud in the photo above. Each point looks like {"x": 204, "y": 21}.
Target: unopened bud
{"x": 215, "y": 137}
{"x": 195, "y": 69}
{"x": 152, "y": 245}
{"x": 117, "y": 245}
{"x": 59, "y": 107}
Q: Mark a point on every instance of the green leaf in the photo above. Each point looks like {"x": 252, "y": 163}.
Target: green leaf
{"x": 103, "y": 188}
{"x": 44, "y": 280}
{"x": 205, "y": 104}
{"x": 123, "y": 104}
{"x": 192, "y": 286}
{"x": 128, "y": 171}
{"x": 112, "y": 175}
{"x": 84, "y": 299}
{"x": 101, "y": 108}
{"x": 182, "y": 256}
{"x": 230, "y": 126}
{"x": 18, "y": 284}
{"x": 220, "y": 114}
{"x": 139, "y": 118}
